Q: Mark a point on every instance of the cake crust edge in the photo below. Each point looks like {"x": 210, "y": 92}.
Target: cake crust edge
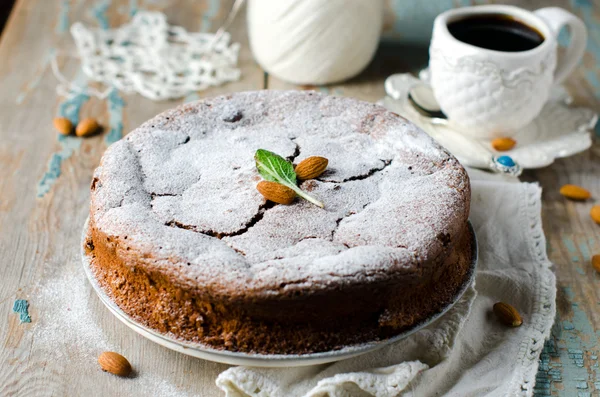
{"x": 306, "y": 323}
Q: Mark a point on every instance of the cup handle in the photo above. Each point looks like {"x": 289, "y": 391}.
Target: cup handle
{"x": 556, "y": 18}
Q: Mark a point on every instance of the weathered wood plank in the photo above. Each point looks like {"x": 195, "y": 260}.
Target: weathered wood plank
{"x": 56, "y": 353}
{"x": 40, "y": 236}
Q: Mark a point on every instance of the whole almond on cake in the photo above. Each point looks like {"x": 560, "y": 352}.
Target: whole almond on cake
{"x": 276, "y": 192}
{"x": 311, "y": 167}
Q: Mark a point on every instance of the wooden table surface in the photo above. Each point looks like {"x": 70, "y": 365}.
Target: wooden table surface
{"x": 44, "y": 193}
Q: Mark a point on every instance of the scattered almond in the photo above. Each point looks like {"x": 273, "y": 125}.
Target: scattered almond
{"x": 596, "y": 262}
{"x": 63, "y": 125}
{"x": 503, "y": 144}
{"x": 86, "y": 127}
{"x": 311, "y": 167}
{"x": 575, "y": 192}
{"x": 507, "y": 314}
{"x": 595, "y": 213}
{"x": 114, "y": 363}
{"x": 276, "y": 192}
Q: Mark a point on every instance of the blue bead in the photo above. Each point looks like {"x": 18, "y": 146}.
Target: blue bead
{"x": 506, "y": 161}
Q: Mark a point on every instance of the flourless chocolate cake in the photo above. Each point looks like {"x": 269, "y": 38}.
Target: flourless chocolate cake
{"x": 182, "y": 241}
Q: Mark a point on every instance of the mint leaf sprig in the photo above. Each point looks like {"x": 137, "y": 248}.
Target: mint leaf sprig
{"x": 274, "y": 168}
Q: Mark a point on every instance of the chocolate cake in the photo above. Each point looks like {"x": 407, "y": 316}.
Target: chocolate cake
{"x": 182, "y": 241}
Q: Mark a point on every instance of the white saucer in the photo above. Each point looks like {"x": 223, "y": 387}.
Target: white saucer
{"x": 559, "y": 131}
{"x": 261, "y": 360}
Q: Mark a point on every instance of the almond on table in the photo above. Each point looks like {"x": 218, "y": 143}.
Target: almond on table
{"x": 595, "y": 213}
{"x": 507, "y": 314}
{"x": 114, "y": 363}
{"x": 63, "y": 125}
{"x": 575, "y": 192}
{"x": 596, "y": 262}
{"x": 86, "y": 127}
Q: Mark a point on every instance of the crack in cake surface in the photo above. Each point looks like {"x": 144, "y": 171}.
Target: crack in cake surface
{"x": 296, "y": 151}
{"x": 370, "y": 173}
{"x": 219, "y": 235}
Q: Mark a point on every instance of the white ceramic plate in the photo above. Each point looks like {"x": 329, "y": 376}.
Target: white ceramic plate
{"x": 261, "y": 360}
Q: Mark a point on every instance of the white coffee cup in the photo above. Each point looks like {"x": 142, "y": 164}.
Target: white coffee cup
{"x": 487, "y": 93}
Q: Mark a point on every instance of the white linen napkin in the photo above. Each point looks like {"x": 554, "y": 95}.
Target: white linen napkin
{"x": 465, "y": 353}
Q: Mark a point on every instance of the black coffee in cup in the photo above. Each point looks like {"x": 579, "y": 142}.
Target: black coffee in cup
{"x": 497, "y": 32}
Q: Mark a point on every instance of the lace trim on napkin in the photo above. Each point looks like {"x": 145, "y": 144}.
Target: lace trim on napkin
{"x": 544, "y": 308}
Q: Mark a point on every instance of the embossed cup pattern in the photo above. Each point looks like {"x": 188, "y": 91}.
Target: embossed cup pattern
{"x": 484, "y": 100}
{"x": 487, "y": 93}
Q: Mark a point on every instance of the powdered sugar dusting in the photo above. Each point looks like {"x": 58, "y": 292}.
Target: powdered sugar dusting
{"x": 182, "y": 188}
{"x": 67, "y": 330}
